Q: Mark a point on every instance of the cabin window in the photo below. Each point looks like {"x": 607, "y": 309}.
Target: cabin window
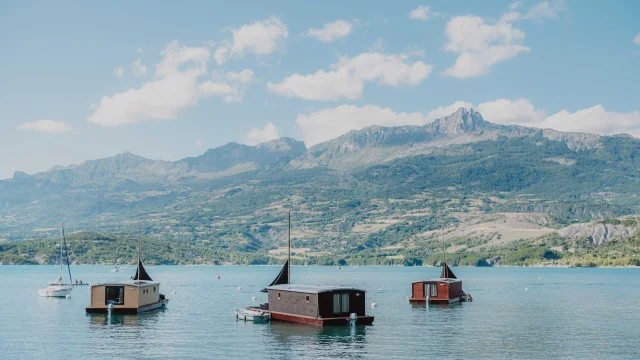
{"x": 307, "y": 298}
{"x": 279, "y": 296}
{"x": 340, "y": 303}
{"x": 154, "y": 289}
{"x": 114, "y": 295}
{"x": 430, "y": 290}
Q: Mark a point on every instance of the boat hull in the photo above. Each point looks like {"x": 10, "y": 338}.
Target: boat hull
{"x": 337, "y": 321}
{"x": 55, "y": 291}
{"x": 149, "y": 307}
{"x": 436, "y": 301}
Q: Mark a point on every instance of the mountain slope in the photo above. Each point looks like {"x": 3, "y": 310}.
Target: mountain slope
{"x": 373, "y": 188}
{"x": 377, "y": 144}
{"x": 235, "y": 158}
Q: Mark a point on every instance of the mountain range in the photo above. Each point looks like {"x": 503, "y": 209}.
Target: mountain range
{"x": 356, "y": 149}
{"x": 374, "y": 188}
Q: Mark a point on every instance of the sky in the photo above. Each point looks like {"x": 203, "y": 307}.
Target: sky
{"x": 86, "y": 80}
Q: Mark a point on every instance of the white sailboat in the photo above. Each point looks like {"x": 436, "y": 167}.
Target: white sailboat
{"x": 58, "y": 288}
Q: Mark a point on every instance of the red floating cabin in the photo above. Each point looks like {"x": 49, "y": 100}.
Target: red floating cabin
{"x": 312, "y": 304}
{"x": 445, "y": 290}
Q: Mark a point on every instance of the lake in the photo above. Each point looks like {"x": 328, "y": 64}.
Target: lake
{"x": 524, "y": 313}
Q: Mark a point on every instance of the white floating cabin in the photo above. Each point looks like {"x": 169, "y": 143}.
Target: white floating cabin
{"x": 130, "y": 296}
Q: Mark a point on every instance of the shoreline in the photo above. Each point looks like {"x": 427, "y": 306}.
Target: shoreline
{"x": 537, "y": 266}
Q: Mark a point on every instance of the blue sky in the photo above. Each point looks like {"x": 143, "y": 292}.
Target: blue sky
{"x": 84, "y": 80}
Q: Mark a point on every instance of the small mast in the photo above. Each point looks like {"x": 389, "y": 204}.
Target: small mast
{"x": 444, "y": 251}
{"x": 289, "y": 253}
{"x": 66, "y": 254}
{"x": 139, "y": 256}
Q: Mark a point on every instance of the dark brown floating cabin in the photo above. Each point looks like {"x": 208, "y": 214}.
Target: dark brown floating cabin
{"x": 128, "y": 297}
{"x": 445, "y": 290}
{"x": 312, "y": 304}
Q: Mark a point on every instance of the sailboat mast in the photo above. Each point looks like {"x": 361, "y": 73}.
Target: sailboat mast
{"x": 444, "y": 252}
{"x": 66, "y": 253}
{"x": 61, "y": 266}
{"x": 289, "y": 253}
{"x": 139, "y": 234}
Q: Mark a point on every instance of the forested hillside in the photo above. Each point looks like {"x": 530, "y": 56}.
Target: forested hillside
{"x": 379, "y": 194}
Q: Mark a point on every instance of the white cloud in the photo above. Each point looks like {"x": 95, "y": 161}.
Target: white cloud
{"x": 118, "y": 72}
{"x": 177, "y": 85}
{"x": 139, "y": 50}
{"x": 636, "y": 40}
{"x": 245, "y": 76}
{"x": 332, "y": 31}
{"x": 260, "y": 38}
{"x": 46, "y": 126}
{"x": 347, "y": 78}
{"x": 420, "y": 13}
{"x": 256, "y": 135}
{"x": 505, "y": 111}
{"x": 138, "y": 69}
{"x": 330, "y": 123}
{"x": 544, "y": 10}
{"x": 198, "y": 143}
{"x": 220, "y": 55}
{"x": 480, "y": 45}
{"x": 595, "y": 119}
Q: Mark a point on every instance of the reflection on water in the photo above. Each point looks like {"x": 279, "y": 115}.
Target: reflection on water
{"x": 149, "y": 318}
{"x": 313, "y": 341}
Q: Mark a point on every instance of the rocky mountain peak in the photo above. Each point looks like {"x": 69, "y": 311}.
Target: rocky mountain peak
{"x": 463, "y": 120}
{"x": 283, "y": 144}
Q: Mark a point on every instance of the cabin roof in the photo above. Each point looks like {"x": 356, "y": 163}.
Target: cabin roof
{"x": 129, "y": 283}
{"x": 310, "y": 289}
{"x": 439, "y": 280}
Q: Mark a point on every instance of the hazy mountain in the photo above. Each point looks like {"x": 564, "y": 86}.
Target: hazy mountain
{"x": 376, "y": 144}
{"x": 226, "y": 160}
{"x": 235, "y": 158}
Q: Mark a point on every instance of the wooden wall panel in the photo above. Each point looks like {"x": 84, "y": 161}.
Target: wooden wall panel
{"x": 293, "y": 303}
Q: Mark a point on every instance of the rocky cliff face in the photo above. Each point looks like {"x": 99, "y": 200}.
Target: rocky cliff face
{"x": 598, "y": 233}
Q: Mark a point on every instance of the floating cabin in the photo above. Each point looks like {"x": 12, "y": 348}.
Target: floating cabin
{"x": 128, "y": 297}
{"x": 315, "y": 305}
{"x": 445, "y": 290}
{"x": 312, "y": 304}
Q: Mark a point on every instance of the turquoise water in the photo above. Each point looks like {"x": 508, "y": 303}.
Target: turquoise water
{"x": 567, "y": 313}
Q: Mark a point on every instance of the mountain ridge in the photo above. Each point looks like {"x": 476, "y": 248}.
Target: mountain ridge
{"x": 354, "y": 149}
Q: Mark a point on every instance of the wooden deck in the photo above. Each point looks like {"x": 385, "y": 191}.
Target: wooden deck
{"x": 149, "y": 307}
